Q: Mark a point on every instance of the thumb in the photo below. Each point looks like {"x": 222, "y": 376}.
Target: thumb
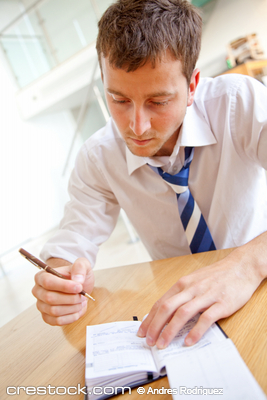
{"x": 80, "y": 269}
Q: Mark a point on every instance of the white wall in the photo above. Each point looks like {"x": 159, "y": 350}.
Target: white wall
{"x": 32, "y": 156}
{"x": 9, "y": 11}
{"x": 230, "y": 19}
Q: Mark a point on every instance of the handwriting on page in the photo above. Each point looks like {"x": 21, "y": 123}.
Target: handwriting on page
{"x": 177, "y": 345}
{"x": 123, "y": 349}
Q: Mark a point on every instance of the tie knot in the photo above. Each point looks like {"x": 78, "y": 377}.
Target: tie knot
{"x": 179, "y": 179}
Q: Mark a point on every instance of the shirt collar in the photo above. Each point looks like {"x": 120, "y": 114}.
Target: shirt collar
{"x": 195, "y": 132}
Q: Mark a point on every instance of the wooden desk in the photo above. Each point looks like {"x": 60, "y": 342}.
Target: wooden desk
{"x": 36, "y": 354}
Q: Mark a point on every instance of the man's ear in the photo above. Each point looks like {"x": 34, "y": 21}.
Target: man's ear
{"x": 192, "y": 86}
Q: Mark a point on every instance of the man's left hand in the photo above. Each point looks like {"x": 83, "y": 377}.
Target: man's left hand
{"x": 216, "y": 291}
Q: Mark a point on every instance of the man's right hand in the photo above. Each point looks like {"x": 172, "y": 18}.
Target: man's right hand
{"x": 58, "y": 299}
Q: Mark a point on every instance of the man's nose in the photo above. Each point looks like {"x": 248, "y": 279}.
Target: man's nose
{"x": 140, "y": 121}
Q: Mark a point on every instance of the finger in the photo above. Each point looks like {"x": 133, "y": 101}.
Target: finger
{"x": 146, "y": 322}
{"x": 65, "y": 319}
{"x": 65, "y": 271}
{"x": 183, "y": 314}
{"x": 164, "y": 313}
{"x": 53, "y": 283}
{"x": 207, "y": 318}
{"x": 59, "y": 310}
{"x": 81, "y": 271}
{"x": 56, "y": 298}
{"x": 175, "y": 289}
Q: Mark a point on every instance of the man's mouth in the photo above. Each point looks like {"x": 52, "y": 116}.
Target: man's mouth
{"x": 141, "y": 142}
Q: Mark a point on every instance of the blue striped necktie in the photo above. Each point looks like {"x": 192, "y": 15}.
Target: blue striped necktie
{"x": 196, "y": 229}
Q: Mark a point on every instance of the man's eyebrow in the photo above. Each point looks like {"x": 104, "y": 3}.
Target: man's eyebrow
{"x": 111, "y": 91}
{"x": 156, "y": 94}
{"x": 161, "y": 94}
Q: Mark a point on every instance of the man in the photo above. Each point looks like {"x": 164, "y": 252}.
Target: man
{"x": 147, "y": 52}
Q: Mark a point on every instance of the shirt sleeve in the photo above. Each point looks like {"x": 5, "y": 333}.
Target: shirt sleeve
{"x": 249, "y": 120}
{"x": 90, "y": 215}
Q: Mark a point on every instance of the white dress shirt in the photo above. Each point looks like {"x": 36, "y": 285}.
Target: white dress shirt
{"x": 227, "y": 125}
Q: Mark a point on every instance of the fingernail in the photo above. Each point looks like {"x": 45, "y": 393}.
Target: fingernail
{"x": 78, "y": 278}
{"x": 140, "y": 332}
{"x": 150, "y": 341}
{"x": 161, "y": 343}
{"x": 188, "y": 341}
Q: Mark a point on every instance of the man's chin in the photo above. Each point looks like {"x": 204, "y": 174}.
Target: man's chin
{"x": 142, "y": 152}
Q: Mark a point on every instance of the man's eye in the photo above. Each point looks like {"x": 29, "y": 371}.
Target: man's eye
{"x": 118, "y": 101}
{"x": 160, "y": 103}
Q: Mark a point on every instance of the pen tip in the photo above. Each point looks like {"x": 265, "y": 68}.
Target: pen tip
{"x": 89, "y": 297}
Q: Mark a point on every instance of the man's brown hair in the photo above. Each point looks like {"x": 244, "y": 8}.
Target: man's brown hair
{"x": 132, "y": 32}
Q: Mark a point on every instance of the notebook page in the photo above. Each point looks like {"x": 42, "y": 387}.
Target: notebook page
{"x": 215, "y": 368}
{"x": 213, "y": 335}
{"x": 114, "y": 348}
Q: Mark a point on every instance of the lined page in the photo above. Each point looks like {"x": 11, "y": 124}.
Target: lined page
{"x": 114, "y": 348}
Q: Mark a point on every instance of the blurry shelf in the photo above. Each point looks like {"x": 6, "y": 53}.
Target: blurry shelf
{"x": 251, "y": 68}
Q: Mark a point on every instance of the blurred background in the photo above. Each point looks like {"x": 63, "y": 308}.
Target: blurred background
{"x": 51, "y": 101}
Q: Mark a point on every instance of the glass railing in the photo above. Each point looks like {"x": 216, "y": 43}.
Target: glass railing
{"x": 49, "y": 33}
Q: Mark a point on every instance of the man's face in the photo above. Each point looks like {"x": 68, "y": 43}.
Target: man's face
{"x": 148, "y": 105}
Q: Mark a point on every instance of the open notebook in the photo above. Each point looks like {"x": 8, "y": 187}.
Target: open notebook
{"x": 116, "y": 358}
